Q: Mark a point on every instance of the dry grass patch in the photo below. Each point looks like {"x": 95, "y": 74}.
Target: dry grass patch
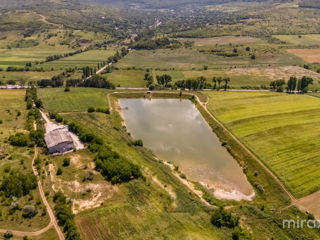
{"x": 309, "y": 55}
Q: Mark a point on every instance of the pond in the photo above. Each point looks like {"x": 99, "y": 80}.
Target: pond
{"x": 176, "y": 132}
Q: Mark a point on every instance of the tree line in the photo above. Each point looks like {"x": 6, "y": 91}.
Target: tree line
{"x": 293, "y": 85}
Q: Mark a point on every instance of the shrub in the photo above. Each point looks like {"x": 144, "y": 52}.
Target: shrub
{"x": 17, "y": 184}
{"x": 138, "y": 142}
{"x": 67, "y": 89}
{"x": 222, "y": 218}
{"x": 19, "y": 139}
{"x": 91, "y": 110}
{"x": 59, "y": 171}
{"x": 8, "y": 234}
{"x": 65, "y": 217}
{"x": 29, "y": 211}
{"x": 66, "y": 162}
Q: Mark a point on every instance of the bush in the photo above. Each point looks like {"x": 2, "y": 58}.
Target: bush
{"x": 19, "y": 139}
{"x": 91, "y": 110}
{"x": 65, "y": 216}
{"x": 67, "y": 89}
{"x": 17, "y": 184}
{"x": 138, "y": 143}
{"x": 59, "y": 171}
{"x": 29, "y": 211}
{"x": 66, "y": 162}
{"x": 114, "y": 167}
{"x": 8, "y": 234}
{"x": 222, "y": 218}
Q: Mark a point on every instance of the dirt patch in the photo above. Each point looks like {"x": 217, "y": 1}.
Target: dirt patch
{"x": 275, "y": 73}
{"x": 310, "y": 204}
{"x": 308, "y": 55}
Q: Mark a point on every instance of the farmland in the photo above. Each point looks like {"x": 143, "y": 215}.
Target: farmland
{"x": 308, "y": 40}
{"x": 309, "y": 55}
{"x": 77, "y": 100}
{"x": 271, "y": 125}
{"x": 88, "y": 58}
{"x": 187, "y": 59}
{"x": 127, "y": 78}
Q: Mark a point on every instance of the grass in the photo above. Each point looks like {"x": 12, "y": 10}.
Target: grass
{"x": 89, "y": 58}
{"x": 129, "y": 211}
{"x": 271, "y": 125}
{"x": 189, "y": 59}
{"x": 16, "y": 158}
{"x": 19, "y": 56}
{"x": 127, "y": 78}
{"x": 307, "y": 40}
{"x": 24, "y": 77}
{"x": 77, "y": 100}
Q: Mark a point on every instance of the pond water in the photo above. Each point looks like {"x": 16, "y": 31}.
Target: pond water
{"x": 176, "y": 132}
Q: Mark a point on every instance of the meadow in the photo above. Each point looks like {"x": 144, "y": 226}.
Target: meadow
{"x": 77, "y": 100}
{"x": 127, "y": 78}
{"x": 13, "y": 116}
{"x": 24, "y": 77}
{"x": 307, "y": 40}
{"x": 131, "y": 207}
{"x": 89, "y": 58}
{"x": 282, "y": 130}
{"x": 188, "y": 59}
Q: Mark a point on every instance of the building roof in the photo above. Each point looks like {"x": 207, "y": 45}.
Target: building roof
{"x": 57, "y": 136}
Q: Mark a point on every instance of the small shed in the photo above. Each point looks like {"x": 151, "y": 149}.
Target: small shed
{"x": 59, "y": 141}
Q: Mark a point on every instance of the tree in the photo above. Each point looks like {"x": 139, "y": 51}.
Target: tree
{"x": 222, "y": 218}
{"x": 164, "y": 79}
{"x": 292, "y": 82}
{"x": 19, "y": 139}
{"x": 214, "y": 80}
{"x": 219, "y": 82}
{"x": 66, "y": 162}
{"x": 226, "y": 80}
{"x": 303, "y": 84}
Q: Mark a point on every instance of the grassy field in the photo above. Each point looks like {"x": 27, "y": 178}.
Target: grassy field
{"x": 127, "y": 78}
{"x": 12, "y": 114}
{"x": 19, "y": 56}
{"x": 308, "y": 55}
{"x": 307, "y": 40}
{"x": 282, "y": 130}
{"x": 77, "y": 100}
{"x": 132, "y": 206}
{"x": 128, "y": 209}
{"x": 188, "y": 59}
{"x": 24, "y": 77}
{"x": 89, "y": 58}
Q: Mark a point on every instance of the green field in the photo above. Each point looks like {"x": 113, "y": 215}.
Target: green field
{"x": 89, "y": 58}
{"x": 282, "y": 130}
{"x": 19, "y": 56}
{"x": 188, "y": 59}
{"x": 307, "y": 40}
{"x": 77, "y": 100}
{"x": 127, "y": 78}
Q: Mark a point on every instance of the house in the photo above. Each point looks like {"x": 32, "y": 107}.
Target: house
{"x": 59, "y": 141}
